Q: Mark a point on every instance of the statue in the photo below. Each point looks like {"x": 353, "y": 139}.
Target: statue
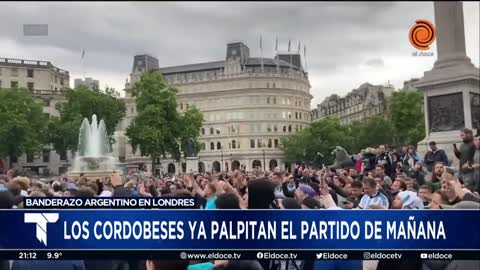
{"x": 191, "y": 149}
{"x": 342, "y": 158}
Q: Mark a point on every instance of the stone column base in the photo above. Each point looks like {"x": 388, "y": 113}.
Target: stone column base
{"x": 445, "y": 141}
{"x": 192, "y": 164}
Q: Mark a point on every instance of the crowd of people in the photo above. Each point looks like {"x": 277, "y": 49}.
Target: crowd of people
{"x": 381, "y": 180}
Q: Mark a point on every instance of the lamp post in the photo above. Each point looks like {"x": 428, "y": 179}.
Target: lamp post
{"x": 263, "y": 152}
{"x": 198, "y": 165}
{"x": 221, "y": 166}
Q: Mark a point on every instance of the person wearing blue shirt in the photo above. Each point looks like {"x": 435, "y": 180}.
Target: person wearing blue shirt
{"x": 372, "y": 196}
{"x": 210, "y": 191}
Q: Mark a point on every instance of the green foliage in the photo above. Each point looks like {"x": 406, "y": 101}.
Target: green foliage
{"x": 23, "y": 123}
{"x": 405, "y": 111}
{"x": 158, "y": 129}
{"x": 321, "y": 137}
{"x": 190, "y": 124}
{"x": 402, "y": 124}
{"x": 83, "y": 102}
{"x": 371, "y": 132}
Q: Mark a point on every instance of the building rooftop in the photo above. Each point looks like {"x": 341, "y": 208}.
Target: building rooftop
{"x": 252, "y": 61}
{"x": 31, "y": 63}
{"x": 361, "y": 92}
{"x": 192, "y": 67}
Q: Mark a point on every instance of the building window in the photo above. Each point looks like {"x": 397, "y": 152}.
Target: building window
{"x": 269, "y": 143}
{"x": 289, "y": 115}
{"x": 181, "y": 106}
{"x": 259, "y": 143}
{"x": 268, "y": 85}
{"x": 268, "y": 100}
{"x": 14, "y": 72}
{"x": 61, "y": 81}
{"x": 289, "y": 128}
{"x": 284, "y": 128}
{"x": 296, "y": 115}
{"x": 13, "y": 84}
{"x": 29, "y": 157}
{"x": 30, "y": 73}
{"x": 211, "y": 131}
{"x": 275, "y": 128}
{"x": 275, "y": 143}
{"x": 296, "y": 128}
{"x": 203, "y": 131}
{"x": 219, "y": 145}
{"x": 218, "y": 131}
{"x": 274, "y": 99}
{"x": 202, "y": 146}
{"x": 269, "y": 128}
{"x": 30, "y": 85}
{"x": 274, "y": 86}
{"x": 46, "y": 155}
{"x": 63, "y": 155}
{"x": 234, "y": 144}
{"x": 252, "y": 143}
{"x": 212, "y": 146}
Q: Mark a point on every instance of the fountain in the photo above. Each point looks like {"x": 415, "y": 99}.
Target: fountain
{"x": 94, "y": 156}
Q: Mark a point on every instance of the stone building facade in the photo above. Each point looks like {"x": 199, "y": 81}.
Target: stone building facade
{"x": 361, "y": 103}
{"x": 88, "y": 82}
{"x": 248, "y": 104}
{"x": 48, "y": 83}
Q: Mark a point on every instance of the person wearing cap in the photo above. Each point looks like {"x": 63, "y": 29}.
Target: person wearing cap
{"x": 304, "y": 191}
{"x": 434, "y": 155}
{"x": 407, "y": 200}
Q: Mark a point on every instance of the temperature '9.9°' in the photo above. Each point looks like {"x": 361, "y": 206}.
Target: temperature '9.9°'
{"x": 54, "y": 255}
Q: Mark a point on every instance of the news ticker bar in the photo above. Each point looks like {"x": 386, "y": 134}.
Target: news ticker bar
{"x": 239, "y": 255}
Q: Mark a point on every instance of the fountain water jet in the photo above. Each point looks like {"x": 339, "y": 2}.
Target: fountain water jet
{"x": 94, "y": 156}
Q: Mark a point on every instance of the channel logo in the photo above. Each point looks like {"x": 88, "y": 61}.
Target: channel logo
{"x": 41, "y": 219}
{"x": 422, "y": 34}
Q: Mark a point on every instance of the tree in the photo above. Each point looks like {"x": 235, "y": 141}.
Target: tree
{"x": 158, "y": 129}
{"x": 83, "y": 102}
{"x": 405, "y": 112}
{"x": 373, "y": 131}
{"x": 190, "y": 124}
{"x": 319, "y": 138}
{"x": 23, "y": 123}
{"x": 403, "y": 124}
